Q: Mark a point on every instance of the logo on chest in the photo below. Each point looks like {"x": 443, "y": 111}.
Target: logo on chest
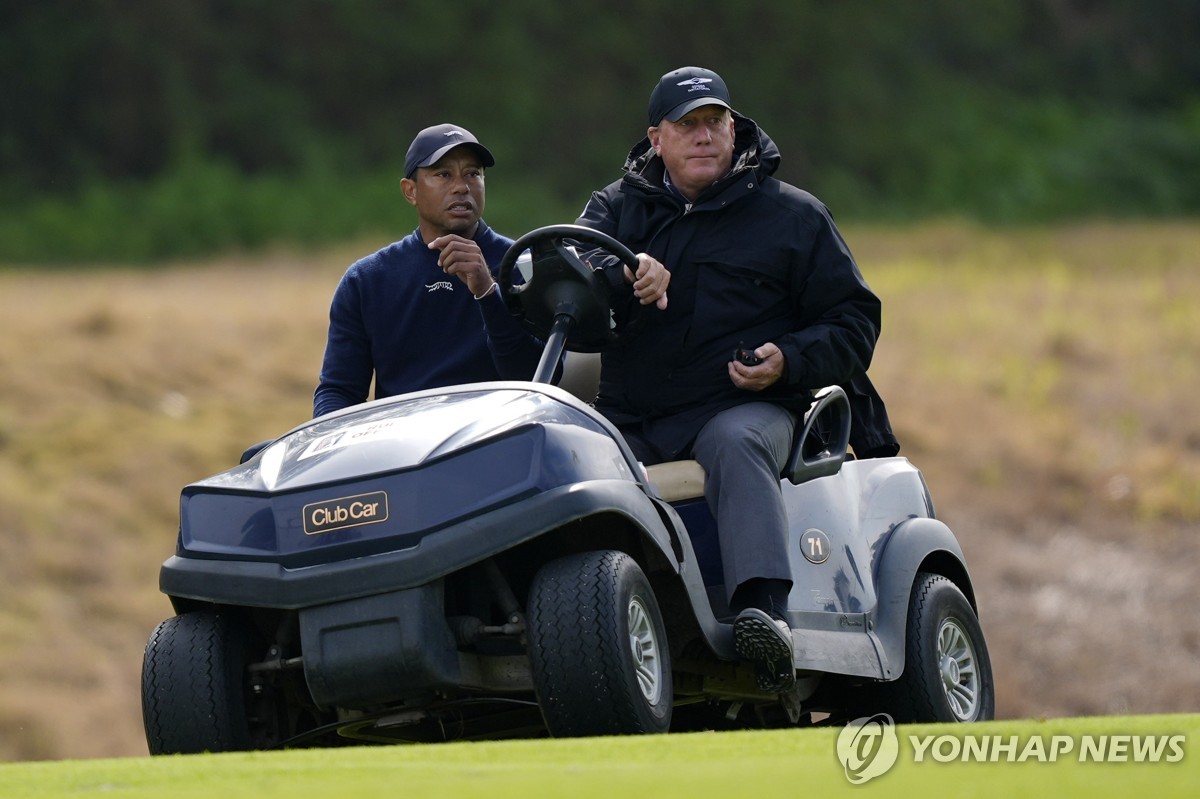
{"x": 441, "y": 284}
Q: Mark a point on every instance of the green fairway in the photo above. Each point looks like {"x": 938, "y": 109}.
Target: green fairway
{"x": 776, "y": 763}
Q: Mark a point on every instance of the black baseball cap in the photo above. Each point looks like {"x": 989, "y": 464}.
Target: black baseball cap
{"x": 432, "y": 143}
{"x": 680, "y": 91}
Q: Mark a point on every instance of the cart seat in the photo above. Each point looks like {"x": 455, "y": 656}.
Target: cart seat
{"x": 676, "y": 481}
{"x": 818, "y": 450}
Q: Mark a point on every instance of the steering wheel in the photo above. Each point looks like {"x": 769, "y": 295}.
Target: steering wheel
{"x": 562, "y": 285}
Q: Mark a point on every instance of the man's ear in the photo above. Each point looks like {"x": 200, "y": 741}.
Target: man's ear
{"x": 652, "y": 135}
{"x": 409, "y": 187}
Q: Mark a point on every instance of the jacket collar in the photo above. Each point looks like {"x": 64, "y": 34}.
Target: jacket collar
{"x": 754, "y": 155}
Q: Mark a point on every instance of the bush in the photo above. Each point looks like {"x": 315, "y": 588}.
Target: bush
{"x": 197, "y": 209}
{"x": 991, "y": 158}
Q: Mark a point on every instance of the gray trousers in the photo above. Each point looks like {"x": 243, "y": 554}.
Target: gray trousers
{"x": 743, "y": 450}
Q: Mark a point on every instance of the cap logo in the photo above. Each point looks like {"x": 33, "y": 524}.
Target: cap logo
{"x": 454, "y": 133}
{"x": 696, "y": 84}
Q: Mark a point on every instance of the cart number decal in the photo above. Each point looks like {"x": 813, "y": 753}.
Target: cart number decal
{"x": 814, "y": 545}
{"x": 334, "y": 514}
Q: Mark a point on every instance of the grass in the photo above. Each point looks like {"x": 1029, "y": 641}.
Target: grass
{"x": 685, "y": 765}
{"x": 1044, "y": 379}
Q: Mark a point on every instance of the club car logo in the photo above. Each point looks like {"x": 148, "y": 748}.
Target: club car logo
{"x": 334, "y": 514}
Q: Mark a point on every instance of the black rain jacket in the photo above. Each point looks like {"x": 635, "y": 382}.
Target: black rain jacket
{"x": 753, "y": 260}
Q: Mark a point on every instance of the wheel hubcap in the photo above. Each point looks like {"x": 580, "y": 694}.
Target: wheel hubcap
{"x": 956, "y": 662}
{"x": 644, "y": 649}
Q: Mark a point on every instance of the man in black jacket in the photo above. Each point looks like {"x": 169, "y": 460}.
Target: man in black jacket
{"x": 752, "y": 264}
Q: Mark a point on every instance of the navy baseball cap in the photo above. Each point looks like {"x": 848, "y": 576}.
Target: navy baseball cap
{"x": 684, "y": 89}
{"x": 432, "y": 143}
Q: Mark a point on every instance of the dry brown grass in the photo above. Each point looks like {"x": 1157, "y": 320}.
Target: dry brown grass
{"x": 1044, "y": 380}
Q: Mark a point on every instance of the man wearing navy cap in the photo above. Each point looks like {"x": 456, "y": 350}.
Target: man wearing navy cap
{"x": 424, "y": 312}
{"x": 750, "y": 262}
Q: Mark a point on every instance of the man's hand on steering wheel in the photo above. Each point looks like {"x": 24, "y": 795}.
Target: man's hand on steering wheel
{"x": 650, "y": 281}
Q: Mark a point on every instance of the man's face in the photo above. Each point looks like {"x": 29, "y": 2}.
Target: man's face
{"x": 697, "y": 149}
{"x": 449, "y": 195}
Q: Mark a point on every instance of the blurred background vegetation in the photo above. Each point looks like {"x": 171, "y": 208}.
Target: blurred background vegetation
{"x": 143, "y": 130}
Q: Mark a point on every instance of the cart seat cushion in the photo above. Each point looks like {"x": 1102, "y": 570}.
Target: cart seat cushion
{"x": 677, "y": 480}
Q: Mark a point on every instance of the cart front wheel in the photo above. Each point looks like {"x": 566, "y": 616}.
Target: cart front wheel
{"x": 598, "y": 648}
{"x": 194, "y": 685}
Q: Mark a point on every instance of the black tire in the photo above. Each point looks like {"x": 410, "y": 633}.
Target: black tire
{"x": 947, "y": 671}
{"x": 194, "y": 685}
{"x": 598, "y": 648}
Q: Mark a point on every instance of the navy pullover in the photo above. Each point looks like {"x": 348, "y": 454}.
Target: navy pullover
{"x": 398, "y": 317}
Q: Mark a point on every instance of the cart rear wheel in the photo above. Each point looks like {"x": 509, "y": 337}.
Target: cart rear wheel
{"x": 193, "y": 685}
{"x": 598, "y": 648}
{"x": 947, "y": 671}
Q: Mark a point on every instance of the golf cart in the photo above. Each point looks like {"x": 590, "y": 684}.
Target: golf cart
{"x": 490, "y": 560}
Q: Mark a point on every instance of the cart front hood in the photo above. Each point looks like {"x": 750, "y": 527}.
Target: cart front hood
{"x": 395, "y": 434}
